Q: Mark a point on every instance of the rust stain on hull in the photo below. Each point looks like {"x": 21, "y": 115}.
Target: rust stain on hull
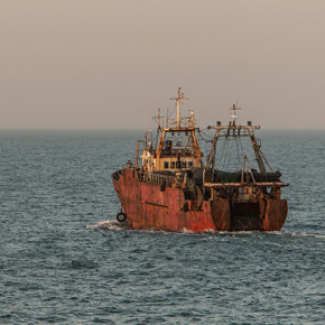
{"x": 149, "y": 208}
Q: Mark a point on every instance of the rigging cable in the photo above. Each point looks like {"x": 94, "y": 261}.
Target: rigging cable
{"x": 230, "y": 155}
{"x": 238, "y": 153}
{"x": 226, "y": 152}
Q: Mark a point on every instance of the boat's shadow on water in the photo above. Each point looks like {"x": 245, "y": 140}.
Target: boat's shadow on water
{"x": 123, "y": 226}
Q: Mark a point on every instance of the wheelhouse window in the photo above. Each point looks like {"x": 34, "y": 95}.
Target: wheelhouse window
{"x": 166, "y": 164}
{"x": 190, "y": 164}
{"x": 173, "y": 164}
{"x": 183, "y": 164}
{"x": 178, "y": 143}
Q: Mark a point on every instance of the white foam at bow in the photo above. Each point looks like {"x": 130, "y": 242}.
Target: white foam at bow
{"x": 109, "y": 225}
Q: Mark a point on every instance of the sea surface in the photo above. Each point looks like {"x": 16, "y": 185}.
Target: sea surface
{"x": 65, "y": 260}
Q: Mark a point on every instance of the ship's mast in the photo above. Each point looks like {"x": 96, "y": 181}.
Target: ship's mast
{"x": 180, "y": 96}
{"x": 234, "y": 115}
{"x": 158, "y": 118}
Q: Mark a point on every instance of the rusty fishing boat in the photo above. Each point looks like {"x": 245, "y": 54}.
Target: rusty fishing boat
{"x": 172, "y": 190}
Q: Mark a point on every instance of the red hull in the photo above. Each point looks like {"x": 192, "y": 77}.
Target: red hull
{"x": 147, "y": 207}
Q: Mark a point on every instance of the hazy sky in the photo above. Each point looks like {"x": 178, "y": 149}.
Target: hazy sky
{"x": 110, "y": 64}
